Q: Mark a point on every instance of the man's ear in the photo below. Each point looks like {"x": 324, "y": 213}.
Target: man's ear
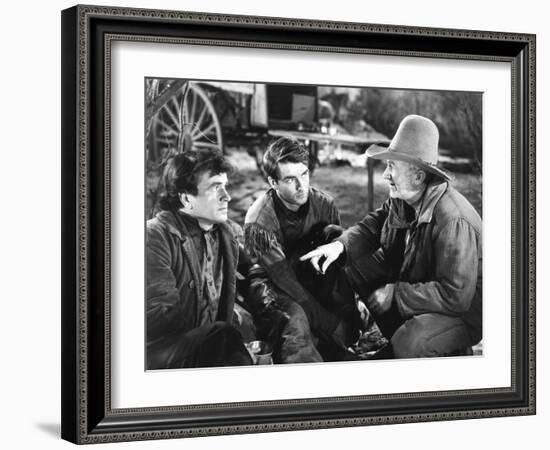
{"x": 420, "y": 177}
{"x": 184, "y": 199}
{"x": 272, "y": 182}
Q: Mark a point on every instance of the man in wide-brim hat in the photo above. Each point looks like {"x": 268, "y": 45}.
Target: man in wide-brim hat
{"x": 417, "y": 260}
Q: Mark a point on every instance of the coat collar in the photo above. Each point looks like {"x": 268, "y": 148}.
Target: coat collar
{"x": 398, "y": 216}
{"x": 182, "y": 225}
{"x": 434, "y": 192}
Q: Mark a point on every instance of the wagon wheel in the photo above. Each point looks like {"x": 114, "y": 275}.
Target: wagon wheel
{"x": 187, "y": 121}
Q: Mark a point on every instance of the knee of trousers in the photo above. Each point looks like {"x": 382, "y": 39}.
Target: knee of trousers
{"x": 298, "y": 323}
{"x": 225, "y": 329}
{"x": 297, "y": 343}
{"x": 410, "y": 342}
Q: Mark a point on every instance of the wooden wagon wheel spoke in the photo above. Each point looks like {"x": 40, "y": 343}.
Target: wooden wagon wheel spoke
{"x": 199, "y": 144}
{"x": 209, "y": 129}
{"x": 186, "y": 121}
{"x": 174, "y": 119}
{"x": 198, "y": 123}
{"x": 183, "y": 113}
{"x": 174, "y": 102}
{"x": 193, "y": 104}
{"x": 182, "y": 119}
{"x": 197, "y": 133}
{"x": 167, "y": 128}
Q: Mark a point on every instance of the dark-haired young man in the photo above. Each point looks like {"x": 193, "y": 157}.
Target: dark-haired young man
{"x": 192, "y": 256}
{"x": 279, "y": 228}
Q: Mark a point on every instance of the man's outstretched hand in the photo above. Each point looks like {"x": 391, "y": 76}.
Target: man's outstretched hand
{"x": 328, "y": 253}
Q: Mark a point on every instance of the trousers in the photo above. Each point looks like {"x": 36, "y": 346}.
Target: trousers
{"x": 297, "y": 341}
{"x": 213, "y": 345}
{"x": 430, "y": 335}
{"x": 423, "y": 335}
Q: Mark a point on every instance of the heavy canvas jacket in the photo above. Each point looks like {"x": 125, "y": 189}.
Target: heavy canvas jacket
{"x": 174, "y": 277}
{"x": 434, "y": 261}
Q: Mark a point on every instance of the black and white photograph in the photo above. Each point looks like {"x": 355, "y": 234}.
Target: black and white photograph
{"x": 273, "y": 225}
{"x": 280, "y": 225}
{"x": 296, "y": 223}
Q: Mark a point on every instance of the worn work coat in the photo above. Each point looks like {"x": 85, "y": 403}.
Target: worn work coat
{"x": 432, "y": 262}
{"x": 174, "y": 278}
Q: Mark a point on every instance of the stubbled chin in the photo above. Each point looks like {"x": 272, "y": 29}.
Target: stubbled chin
{"x": 300, "y": 199}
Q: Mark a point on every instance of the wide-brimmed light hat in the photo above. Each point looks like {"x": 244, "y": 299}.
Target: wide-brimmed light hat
{"x": 416, "y": 142}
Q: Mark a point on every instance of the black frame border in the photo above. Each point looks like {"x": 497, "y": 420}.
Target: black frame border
{"x": 87, "y": 33}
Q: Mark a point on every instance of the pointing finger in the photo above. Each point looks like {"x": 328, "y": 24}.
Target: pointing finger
{"x": 328, "y": 261}
{"x": 311, "y": 254}
{"x": 315, "y": 263}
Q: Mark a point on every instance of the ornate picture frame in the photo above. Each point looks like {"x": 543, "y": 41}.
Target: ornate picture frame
{"x": 88, "y": 34}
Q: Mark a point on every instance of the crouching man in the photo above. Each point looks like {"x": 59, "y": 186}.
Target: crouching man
{"x": 192, "y": 256}
{"x": 279, "y": 227}
{"x": 417, "y": 260}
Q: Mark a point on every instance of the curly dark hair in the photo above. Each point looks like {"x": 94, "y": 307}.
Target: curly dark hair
{"x": 182, "y": 173}
{"x": 284, "y": 150}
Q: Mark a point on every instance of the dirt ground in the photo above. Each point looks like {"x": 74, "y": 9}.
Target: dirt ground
{"x": 347, "y": 184}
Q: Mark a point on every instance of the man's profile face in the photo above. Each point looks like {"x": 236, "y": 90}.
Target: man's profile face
{"x": 292, "y": 186}
{"x": 211, "y": 203}
{"x": 402, "y": 180}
